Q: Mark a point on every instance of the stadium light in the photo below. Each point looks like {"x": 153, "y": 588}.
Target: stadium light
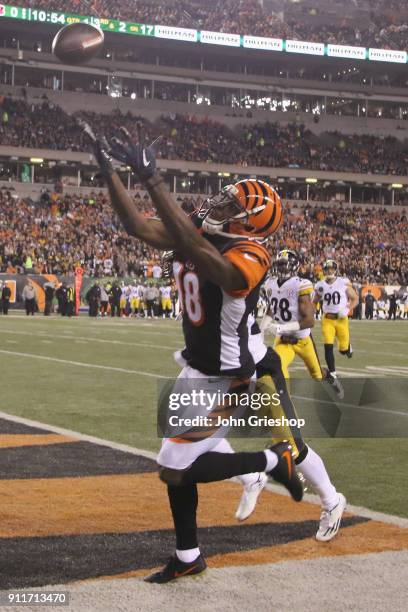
{"x": 36, "y": 160}
{"x": 397, "y": 186}
{"x": 311, "y": 180}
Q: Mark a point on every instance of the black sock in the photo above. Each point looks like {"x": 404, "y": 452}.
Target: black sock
{"x": 210, "y": 467}
{"x": 183, "y": 504}
{"x": 348, "y": 352}
{"x": 329, "y": 356}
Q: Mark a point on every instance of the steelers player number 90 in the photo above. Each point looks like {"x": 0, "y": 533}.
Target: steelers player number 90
{"x": 332, "y": 298}
{"x": 189, "y": 290}
{"x": 280, "y": 308}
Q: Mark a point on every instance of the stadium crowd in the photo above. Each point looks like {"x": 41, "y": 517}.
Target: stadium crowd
{"x": 59, "y": 232}
{"x": 384, "y": 26}
{"x": 56, "y": 234}
{"x": 203, "y": 140}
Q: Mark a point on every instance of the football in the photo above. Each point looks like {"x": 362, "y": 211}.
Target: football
{"x": 77, "y": 43}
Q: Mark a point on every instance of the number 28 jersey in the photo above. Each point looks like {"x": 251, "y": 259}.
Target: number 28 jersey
{"x": 333, "y": 296}
{"x": 283, "y": 300}
{"x": 215, "y": 322}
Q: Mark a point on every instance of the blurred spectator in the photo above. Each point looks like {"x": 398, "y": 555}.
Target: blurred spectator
{"x": 204, "y": 140}
{"x": 29, "y": 296}
{"x": 5, "y": 297}
{"x": 370, "y": 245}
{"x": 49, "y": 290}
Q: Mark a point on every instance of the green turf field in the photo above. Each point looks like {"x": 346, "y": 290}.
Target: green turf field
{"x": 100, "y": 377}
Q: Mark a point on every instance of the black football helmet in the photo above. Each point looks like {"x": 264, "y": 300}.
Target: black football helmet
{"x": 287, "y": 264}
{"x": 330, "y": 264}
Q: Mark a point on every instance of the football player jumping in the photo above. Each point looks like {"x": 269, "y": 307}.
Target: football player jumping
{"x": 220, "y": 265}
{"x": 337, "y": 298}
{"x": 271, "y": 379}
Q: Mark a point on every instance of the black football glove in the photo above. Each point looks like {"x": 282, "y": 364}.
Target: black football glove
{"x": 100, "y": 148}
{"x": 141, "y": 158}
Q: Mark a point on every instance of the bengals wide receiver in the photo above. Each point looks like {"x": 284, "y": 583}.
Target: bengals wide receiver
{"x": 220, "y": 265}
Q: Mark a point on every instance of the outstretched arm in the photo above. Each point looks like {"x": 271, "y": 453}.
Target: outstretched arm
{"x": 151, "y": 231}
{"x": 209, "y": 262}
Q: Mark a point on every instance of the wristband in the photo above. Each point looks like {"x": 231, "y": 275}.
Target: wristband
{"x": 153, "y": 181}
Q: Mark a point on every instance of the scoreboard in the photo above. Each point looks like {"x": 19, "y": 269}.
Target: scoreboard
{"x": 206, "y": 37}
{"x": 57, "y": 18}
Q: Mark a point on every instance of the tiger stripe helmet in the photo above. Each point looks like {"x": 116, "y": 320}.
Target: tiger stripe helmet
{"x": 256, "y": 214}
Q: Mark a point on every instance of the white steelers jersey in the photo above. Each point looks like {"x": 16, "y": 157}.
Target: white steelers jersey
{"x": 333, "y": 295}
{"x": 283, "y": 300}
{"x": 165, "y": 292}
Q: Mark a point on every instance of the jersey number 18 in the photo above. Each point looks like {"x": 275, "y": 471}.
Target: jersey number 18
{"x": 189, "y": 292}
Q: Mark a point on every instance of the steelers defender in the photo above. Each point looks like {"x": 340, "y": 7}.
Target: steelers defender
{"x": 337, "y": 298}
{"x": 290, "y": 315}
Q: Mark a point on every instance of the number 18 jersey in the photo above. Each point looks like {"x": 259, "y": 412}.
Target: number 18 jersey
{"x": 215, "y": 322}
{"x": 283, "y": 300}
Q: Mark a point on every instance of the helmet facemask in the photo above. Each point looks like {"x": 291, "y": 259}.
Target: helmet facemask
{"x": 223, "y": 215}
{"x": 330, "y": 269}
{"x": 286, "y": 265}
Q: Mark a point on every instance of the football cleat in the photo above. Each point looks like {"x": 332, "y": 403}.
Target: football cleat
{"x": 330, "y": 521}
{"x": 336, "y": 384}
{"x": 285, "y": 471}
{"x": 250, "y": 496}
{"x": 350, "y": 352}
{"x": 175, "y": 569}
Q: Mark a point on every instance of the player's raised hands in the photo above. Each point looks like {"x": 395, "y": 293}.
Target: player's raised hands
{"x": 100, "y": 148}
{"x": 139, "y": 156}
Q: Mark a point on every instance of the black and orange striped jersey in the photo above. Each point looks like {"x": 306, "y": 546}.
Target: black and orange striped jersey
{"x": 215, "y": 322}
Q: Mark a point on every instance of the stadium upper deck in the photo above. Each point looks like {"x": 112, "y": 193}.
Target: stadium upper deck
{"x": 367, "y": 23}
{"x": 242, "y": 89}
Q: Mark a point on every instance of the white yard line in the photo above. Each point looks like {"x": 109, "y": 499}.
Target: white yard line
{"x": 83, "y": 364}
{"x": 70, "y": 337}
{"x": 152, "y": 375}
{"x": 308, "y": 497}
{"x": 354, "y": 406}
{"x": 400, "y": 371}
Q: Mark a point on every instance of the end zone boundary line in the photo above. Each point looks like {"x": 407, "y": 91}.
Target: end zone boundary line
{"x": 308, "y": 497}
